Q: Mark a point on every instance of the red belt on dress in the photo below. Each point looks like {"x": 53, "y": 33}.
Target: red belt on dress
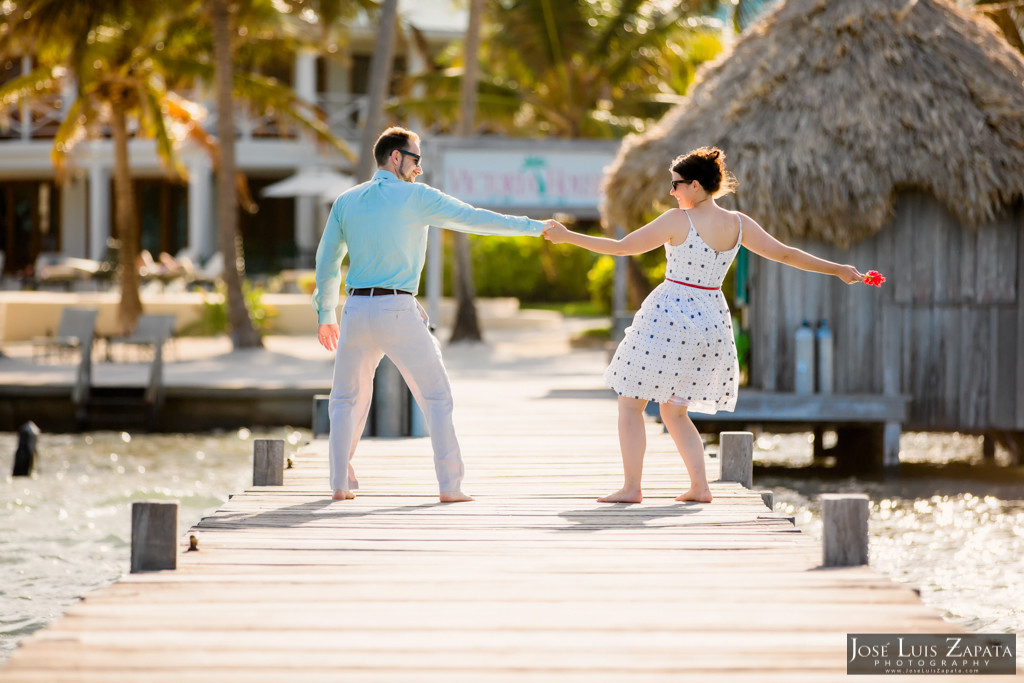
{"x": 690, "y": 285}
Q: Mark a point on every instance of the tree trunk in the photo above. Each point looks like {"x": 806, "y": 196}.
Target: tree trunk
{"x": 467, "y": 324}
{"x": 127, "y": 221}
{"x": 380, "y": 82}
{"x": 243, "y": 334}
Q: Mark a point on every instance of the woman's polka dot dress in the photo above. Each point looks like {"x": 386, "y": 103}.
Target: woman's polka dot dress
{"x": 680, "y": 348}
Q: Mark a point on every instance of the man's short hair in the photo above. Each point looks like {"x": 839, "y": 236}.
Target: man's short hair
{"x": 393, "y": 138}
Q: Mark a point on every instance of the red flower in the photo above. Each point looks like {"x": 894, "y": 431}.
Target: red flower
{"x": 874, "y": 278}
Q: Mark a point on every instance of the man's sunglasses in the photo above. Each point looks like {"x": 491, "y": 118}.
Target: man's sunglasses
{"x": 416, "y": 157}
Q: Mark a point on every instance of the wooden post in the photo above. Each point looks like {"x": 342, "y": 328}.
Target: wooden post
{"x": 25, "y": 455}
{"x": 844, "y": 519}
{"x": 737, "y": 449}
{"x": 268, "y": 462}
{"x": 891, "y": 446}
{"x": 988, "y": 448}
{"x": 391, "y": 396}
{"x": 620, "y": 304}
{"x": 154, "y": 536}
{"x": 321, "y": 418}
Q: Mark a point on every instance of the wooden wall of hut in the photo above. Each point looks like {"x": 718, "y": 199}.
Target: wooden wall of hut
{"x": 946, "y": 328}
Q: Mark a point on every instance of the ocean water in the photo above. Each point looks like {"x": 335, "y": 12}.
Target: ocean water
{"x": 66, "y": 530}
{"x": 952, "y": 526}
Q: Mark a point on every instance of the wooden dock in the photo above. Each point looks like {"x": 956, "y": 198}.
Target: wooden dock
{"x": 534, "y": 581}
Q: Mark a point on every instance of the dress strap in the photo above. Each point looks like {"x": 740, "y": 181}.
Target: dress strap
{"x": 692, "y": 229}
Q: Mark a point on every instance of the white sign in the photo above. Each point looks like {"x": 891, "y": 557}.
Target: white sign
{"x": 506, "y": 179}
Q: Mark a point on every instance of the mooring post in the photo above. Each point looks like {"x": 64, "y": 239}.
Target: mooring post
{"x": 268, "y": 462}
{"x": 391, "y": 398}
{"x": 25, "y": 456}
{"x": 737, "y": 457}
{"x": 844, "y": 519}
{"x": 154, "y": 536}
{"x": 321, "y": 418}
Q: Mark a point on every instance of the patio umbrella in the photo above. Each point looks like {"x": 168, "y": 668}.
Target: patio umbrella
{"x": 314, "y": 182}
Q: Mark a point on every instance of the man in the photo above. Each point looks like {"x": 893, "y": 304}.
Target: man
{"x": 383, "y": 224}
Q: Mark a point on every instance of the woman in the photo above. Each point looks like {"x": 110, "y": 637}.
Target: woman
{"x": 680, "y": 350}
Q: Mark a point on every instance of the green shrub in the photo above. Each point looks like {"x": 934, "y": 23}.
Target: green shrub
{"x": 600, "y": 281}
{"x": 213, "y": 317}
{"x": 529, "y": 268}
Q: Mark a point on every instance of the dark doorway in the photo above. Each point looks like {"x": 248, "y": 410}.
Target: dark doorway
{"x": 29, "y": 222}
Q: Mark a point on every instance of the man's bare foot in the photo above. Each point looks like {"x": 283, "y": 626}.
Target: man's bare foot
{"x": 341, "y": 494}
{"x": 623, "y": 496}
{"x": 455, "y": 497}
{"x": 696, "y": 496}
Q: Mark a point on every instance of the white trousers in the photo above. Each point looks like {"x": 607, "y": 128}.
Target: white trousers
{"x": 396, "y": 325}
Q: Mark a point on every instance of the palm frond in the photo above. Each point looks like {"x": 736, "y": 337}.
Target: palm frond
{"x": 70, "y": 132}
{"x": 42, "y": 80}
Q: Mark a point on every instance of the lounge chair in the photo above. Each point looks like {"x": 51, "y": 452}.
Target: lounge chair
{"x": 152, "y": 330}
{"x": 75, "y": 332}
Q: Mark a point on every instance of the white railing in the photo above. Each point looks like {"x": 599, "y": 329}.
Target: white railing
{"x": 36, "y": 118}
{"x": 41, "y": 117}
{"x": 345, "y": 113}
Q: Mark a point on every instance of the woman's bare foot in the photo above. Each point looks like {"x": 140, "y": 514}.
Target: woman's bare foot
{"x": 696, "y": 496}
{"x": 455, "y": 497}
{"x": 623, "y": 495}
{"x": 340, "y": 494}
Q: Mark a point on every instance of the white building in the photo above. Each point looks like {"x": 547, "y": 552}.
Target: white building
{"x": 39, "y": 216}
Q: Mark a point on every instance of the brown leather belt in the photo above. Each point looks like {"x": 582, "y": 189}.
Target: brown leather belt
{"x": 377, "y": 291}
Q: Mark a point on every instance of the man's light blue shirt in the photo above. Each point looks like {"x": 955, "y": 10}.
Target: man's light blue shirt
{"x": 382, "y": 225}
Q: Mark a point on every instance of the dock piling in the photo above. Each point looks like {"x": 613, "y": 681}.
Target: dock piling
{"x": 321, "y": 419}
{"x": 737, "y": 456}
{"x": 268, "y": 462}
{"x": 844, "y": 519}
{"x": 25, "y": 455}
{"x": 154, "y": 536}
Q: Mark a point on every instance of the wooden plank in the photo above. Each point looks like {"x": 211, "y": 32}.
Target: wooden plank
{"x": 949, "y": 340}
{"x": 904, "y": 227}
{"x": 1003, "y": 367}
{"x": 764, "y": 311}
{"x": 768, "y": 407}
{"x": 921, "y": 258}
{"x": 1019, "y": 306}
{"x": 997, "y": 261}
{"x": 948, "y": 252}
{"x": 892, "y": 357}
{"x": 976, "y": 352}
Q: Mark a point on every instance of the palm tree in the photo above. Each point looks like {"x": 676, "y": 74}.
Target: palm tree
{"x": 380, "y": 81}
{"x": 577, "y": 69}
{"x": 225, "y": 17}
{"x": 114, "y": 52}
{"x": 467, "y": 324}
{"x": 243, "y": 332}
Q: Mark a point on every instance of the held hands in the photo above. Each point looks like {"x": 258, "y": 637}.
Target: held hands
{"x": 555, "y": 232}
{"x": 328, "y": 336}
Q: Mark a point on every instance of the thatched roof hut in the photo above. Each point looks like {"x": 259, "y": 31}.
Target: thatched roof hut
{"x": 827, "y": 109}
{"x": 888, "y": 134}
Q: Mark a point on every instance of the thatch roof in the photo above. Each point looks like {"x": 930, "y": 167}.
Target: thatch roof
{"x": 827, "y": 109}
